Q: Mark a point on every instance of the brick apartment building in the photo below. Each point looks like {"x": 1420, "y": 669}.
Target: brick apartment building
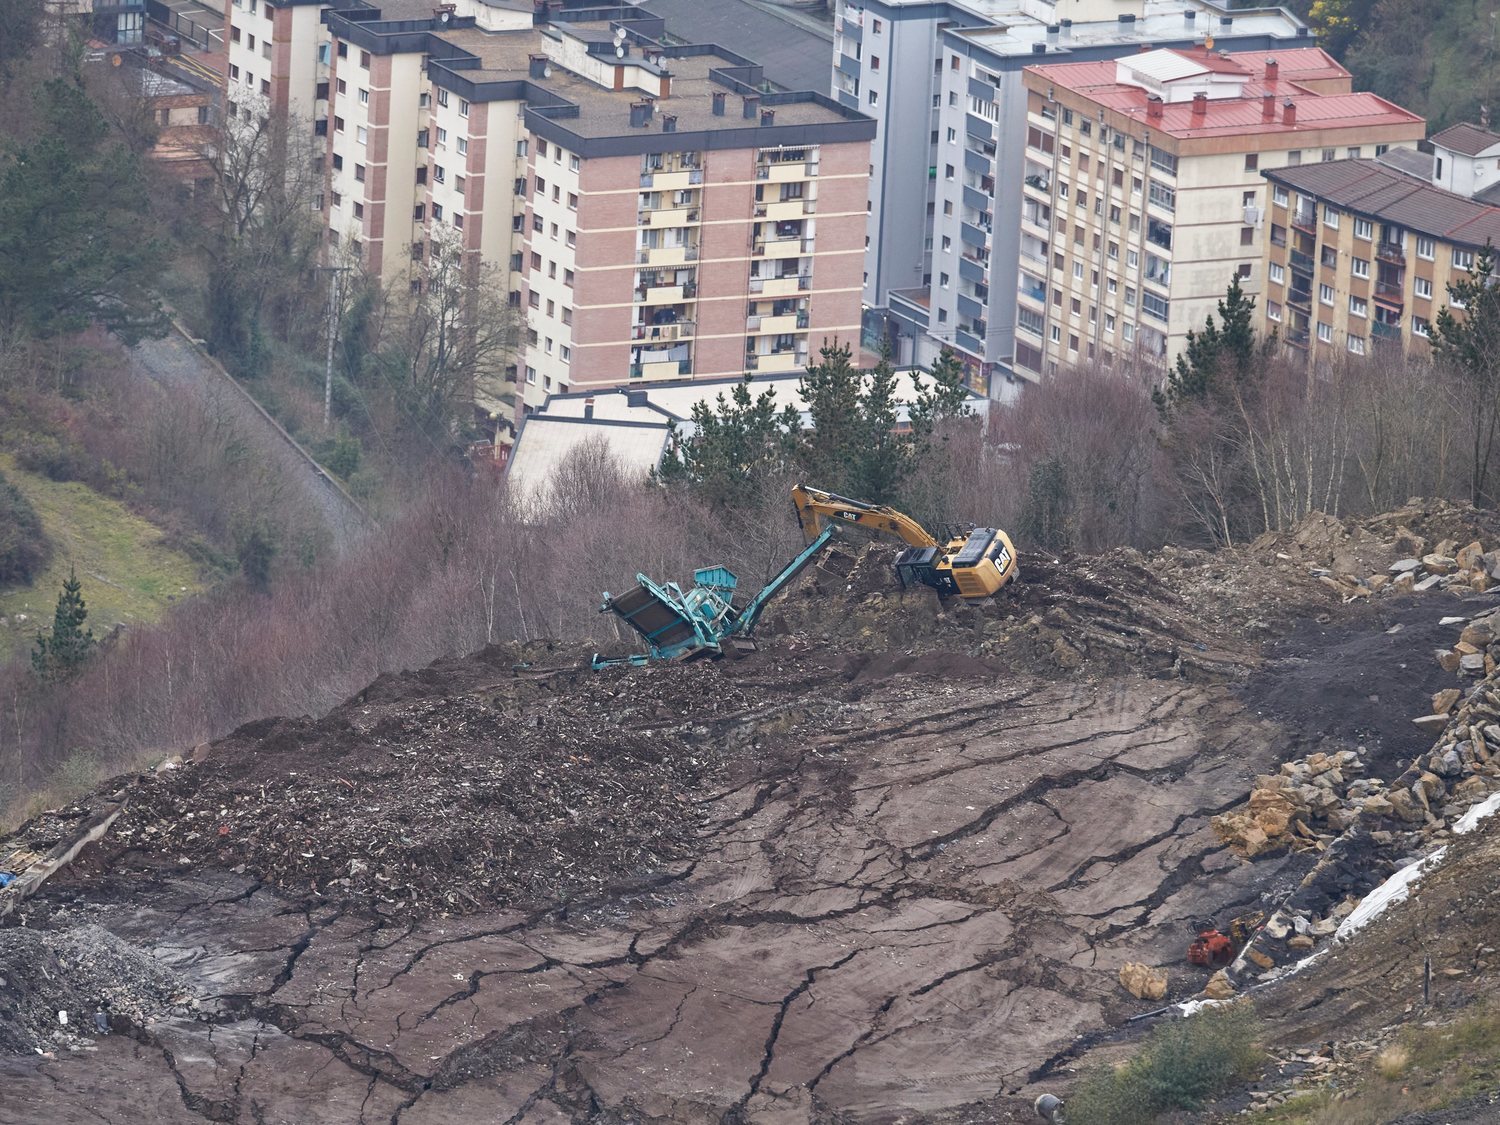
{"x": 653, "y": 209}
{"x": 1143, "y": 194}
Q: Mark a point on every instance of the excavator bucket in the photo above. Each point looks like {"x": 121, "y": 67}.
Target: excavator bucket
{"x": 645, "y": 610}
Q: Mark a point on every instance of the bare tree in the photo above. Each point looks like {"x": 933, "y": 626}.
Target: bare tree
{"x": 453, "y": 332}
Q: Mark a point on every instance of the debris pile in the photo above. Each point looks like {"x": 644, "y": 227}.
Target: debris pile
{"x": 56, "y": 987}
{"x": 496, "y": 795}
{"x": 1384, "y": 824}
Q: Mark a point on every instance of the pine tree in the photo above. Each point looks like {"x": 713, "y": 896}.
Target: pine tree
{"x": 734, "y": 445}
{"x": 1469, "y": 347}
{"x": 1226, "y": 348}
{"x": 59, "y": 655}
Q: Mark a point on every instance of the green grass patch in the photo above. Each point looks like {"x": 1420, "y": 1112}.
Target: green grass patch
{"x": 1183, "y": 1064}
{"x": 129, "y": 573}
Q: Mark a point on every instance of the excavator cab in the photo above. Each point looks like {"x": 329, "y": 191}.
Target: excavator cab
{"x": 971, "y": 566}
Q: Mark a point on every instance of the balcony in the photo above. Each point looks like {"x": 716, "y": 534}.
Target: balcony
{"x": 1297, "y": 337}
{"x": 971, "y": 271}
{"x": 665, "y": 294}
{"x": 1300, "y": 297}
{"x": 673, "y": 180}
{"x": 1388, "y": 293}
{"x": 666, "y": 255}
{"x": 1306, "y": 218}
{"x": 783, "y": 247}
{"x": 1389, "y": 333}
{"x": 781, "y": 286}
{"x": 785, "y": 209}
{"x": 969, "y": 307}
{"x": 973, "y": 235}
{"x": 787, "y": 322}
{"x": 1039, "y": 183}
{"x": 672, "y": 331}
{"x": 1302, "y": 263}
{"x": 1391, "y": 252}
{"x": 1035, "y": 291}
{"x": 776, "y": 361}
{"x": 667, "y": 369}
{"x": 786, "y": 172}
{"x": 667, "y": 217}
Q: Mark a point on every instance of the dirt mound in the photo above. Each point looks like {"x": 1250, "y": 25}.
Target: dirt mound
{"x": 493, "y": 794}
{"x": 1072, "y": 612}
{"x": 53, "y": 983}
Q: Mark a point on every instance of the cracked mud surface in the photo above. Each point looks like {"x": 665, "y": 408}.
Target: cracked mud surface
{"x": 908, "y": 897}
{"x": 834, "y": 882}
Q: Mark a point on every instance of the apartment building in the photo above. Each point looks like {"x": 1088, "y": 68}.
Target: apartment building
{"x": 1360, "y": 254}
{"x": 944, "y": 80}
{"x": 654, "y": 210}
{"x": 1143, "y": 195}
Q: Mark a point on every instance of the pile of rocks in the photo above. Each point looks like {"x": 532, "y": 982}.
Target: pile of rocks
{"x": 1304, "y": 806}
{"x": 1468, "y": 569}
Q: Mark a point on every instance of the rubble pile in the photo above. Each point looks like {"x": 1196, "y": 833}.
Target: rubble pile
{"x": 1384, "y": 825}
{"x": 55, "y": 985}
{"x": 439, "y": 803}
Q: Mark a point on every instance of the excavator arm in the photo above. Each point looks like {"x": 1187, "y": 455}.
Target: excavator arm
{"x": 814, "y": 506}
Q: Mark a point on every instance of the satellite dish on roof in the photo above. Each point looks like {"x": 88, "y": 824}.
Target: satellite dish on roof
{"x": 1208, "y": 43}
{"x": 619, "y": 35}
{"x": 620, "y": 51}
{"x": 116, "y": 60}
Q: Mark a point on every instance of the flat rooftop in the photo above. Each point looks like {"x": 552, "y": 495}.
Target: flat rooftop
{"x": 1243, "y": 115}
{"x": 1014, "y": 32}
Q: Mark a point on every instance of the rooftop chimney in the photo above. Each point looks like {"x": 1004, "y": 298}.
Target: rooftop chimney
{"x": 719, "y": 103}
{"x": 1268, "y": 107}
{"x": 640, "y": 114}
{"x": 1052, "y": 33}
{"x": 768, "y": 117}
{"x": 752, "y": 103}
{"x": 635, "y": 398}
{"x": 669, "y": 123}
{"x": 1190, "y": 15}
{"x": 1289, "y": 112}
{"x": 1127, "y": 18}
{"x": 1039, "y": 48}
{"x": 1200, "y": 104}
{"x": 588, "y": 407}
{"x": 538, "y": 67}
{"x": 1273, "y": 70}
{"x": 1153, "y": 107}
{"x": 1226, "y": 22}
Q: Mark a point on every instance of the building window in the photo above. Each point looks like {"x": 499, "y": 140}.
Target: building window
{"x": 1331, "y": 218}
{"x": 1358, "y": 306}
{"x": 1352, "y": 153}
{"x": 419, "y": 212}
{"x": 1357, "y": 345}
{"x": 364, "y": 59}
{"x": 463, "y": 108}
{"x": 572, "y": 163}
{"x": 1154, "y": 306}
{"x": 437, "y": 212}
{"x": 1247, "y": 236}
{"x": 1244, "y": 270}
{"x": 439, "y": 174}
{"x": 568, "y": 278}
{"x": 1279, "y": 196}
{"x": 442, "y": 97}
{"x": 1426, "y": 248}
{"x": 463, "y": 146}
{"x": 1325, "y": 332}
{"x": 874, "y": 98}
{"x": 874, "y": 62}
{"x": 565, "y": 353}
{"x": 338, "y": 124}
{"x": 572, "y": 238}
{"x": 1330, "y": 154}
{"x": 1360, "y": 267}
{"x": 1422, "y": 286}
{"x": 1252, "y": 161}
{"x": 343, "y": 50}
{"x": 1420, "y": 326}
{"x": 1363, "y": 228}
{"x": 338, "y": 163}
{"x": 364, "y": 96}
{"x": 359, "y": 172}
{"x": 1463, "y": 259}
{"x": 458, "y": 184}
{"x": 442, "y": 136}
{"x": 359, "y": 210}
{"x": 572, "y": 201}
{"x": 361, "y": 134}
{"x": 1273, "y": 311}
{"x": 1325, "y": 294}
{"x": 1277, "y": 273}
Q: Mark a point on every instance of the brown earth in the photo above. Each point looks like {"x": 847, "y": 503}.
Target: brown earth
{"x": 887, "y": 868}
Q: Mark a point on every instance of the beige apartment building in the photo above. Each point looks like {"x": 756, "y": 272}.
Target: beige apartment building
{"x": 1143, "y": 193}
{"x": 1360, "y": 255}
{"x": 652, "y": 210}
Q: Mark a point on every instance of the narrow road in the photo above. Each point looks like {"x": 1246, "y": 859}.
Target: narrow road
{"x": 175, "y": 363}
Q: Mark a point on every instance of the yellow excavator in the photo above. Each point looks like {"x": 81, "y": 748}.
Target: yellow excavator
{"x": 972, "y": 566}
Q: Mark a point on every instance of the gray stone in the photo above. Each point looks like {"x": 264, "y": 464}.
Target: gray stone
{"x": 1427, "y": 583}
{"x": 1405, "y": 566}
{"x": 1472, "y": 664}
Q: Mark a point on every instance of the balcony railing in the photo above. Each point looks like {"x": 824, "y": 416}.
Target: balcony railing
{"x": 779, "y": 245}
{"x": 1301, "y": 297}
{"x": 1391, "y": 252}
{"x": 1389, "y": 292}
{"x": 684, "y": 367}
{"x": 1041, "y": 183}
{"x": 1297, "y": 336}
{"x": 647, "y": 254}
{"x": 675, "y": 330}
{"x": 1306, "y": 218}
{"x": 1035, "y": 292}
{"x": 1302, "y": 262}
{"x": 1385, "y": 331}
{"x": 689, "y": 175}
